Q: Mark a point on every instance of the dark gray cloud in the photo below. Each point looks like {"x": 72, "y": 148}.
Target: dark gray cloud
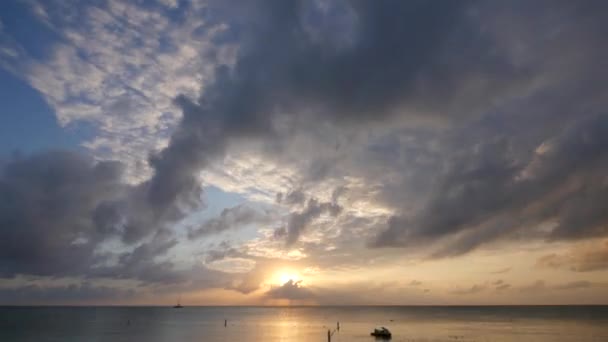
{"x": 47, "y": 206}
{"x": 504, "y": 175}
{"x": 221, "y": 251}
{"x": 488, "y": 192}
{"x": 292, "y": 290}
{"x": 304, "y": 211}
{"x": 231, "y": 218}
{"x": 299, "y": 221}
{"x": 141, "y": 263}
{"x": 58, "y": 208}
{"x": 284, "y": 67}
{"x": 386, "y": 68}
{"x": 293, "y": 197}
{"x": 283, "y": 64}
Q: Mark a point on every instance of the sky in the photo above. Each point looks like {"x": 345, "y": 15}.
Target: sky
{"x": 320, "y": 152}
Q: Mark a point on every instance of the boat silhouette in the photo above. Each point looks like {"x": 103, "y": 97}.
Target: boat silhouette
{"x": 381, "y": 333}
{"x": 178, "y": 305}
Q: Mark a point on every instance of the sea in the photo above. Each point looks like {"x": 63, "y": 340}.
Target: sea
{"x": 270, "y": 324}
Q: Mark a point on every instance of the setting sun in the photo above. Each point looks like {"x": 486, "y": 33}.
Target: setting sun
{"x": 284, "y": 276}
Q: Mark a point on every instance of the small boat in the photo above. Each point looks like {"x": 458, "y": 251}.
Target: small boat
{"x": 382, "y": 333}
{"x": 178, "y": 305}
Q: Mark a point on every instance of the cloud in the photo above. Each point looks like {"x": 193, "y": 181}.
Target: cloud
{"x": 221, "y": 251}
{"x": 261, "y": 96}
{"x": 141, "y": 263}
{"x": 482, "y": 188}
{"x": 552, "y": 261}
{"x": 502, "y": 270}
{"x": 270, "y": 94}
{"x": 170, "y": 3}
{"x": 469, "y": 291}
{"x": 475, "y": 133}
{"x": 299, "y": 221}
{"x": 231, "y": 218}
{"x": 482, "y": 193}
{"x": 582, "y": 284}
{"x": 294, "y": 197}
{"x": 64, "y": 214}
{"x": 502, "y": 287}
{"x": 586, "y": 258}
{"x": 542, "y": 286}
{"x": 255, "y": 278}
{"x": 292, "y": 290}
{"x": 46, "y": 206}
{"x": 232, "y": 265}
{"x": 117, "y": 66}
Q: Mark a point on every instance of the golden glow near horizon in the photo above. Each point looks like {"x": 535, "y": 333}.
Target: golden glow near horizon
{"x": 283, "y": 276}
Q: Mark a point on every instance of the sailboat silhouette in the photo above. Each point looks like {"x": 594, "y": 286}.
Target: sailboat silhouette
{"x": 178, "y": 306}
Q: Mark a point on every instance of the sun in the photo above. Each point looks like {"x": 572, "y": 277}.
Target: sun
{"x": 286, "y": 275}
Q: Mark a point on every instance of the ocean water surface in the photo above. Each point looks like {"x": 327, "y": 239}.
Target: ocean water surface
{"x": 270, "y": 324}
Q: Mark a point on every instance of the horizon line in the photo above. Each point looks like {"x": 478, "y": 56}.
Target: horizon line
{"x": 294, "y": 306}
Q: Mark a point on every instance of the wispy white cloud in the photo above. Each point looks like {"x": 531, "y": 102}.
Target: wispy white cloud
{"x": 119, "y": 66}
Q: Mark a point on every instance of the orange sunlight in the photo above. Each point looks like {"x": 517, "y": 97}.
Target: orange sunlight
{"x": 283, "y": 276}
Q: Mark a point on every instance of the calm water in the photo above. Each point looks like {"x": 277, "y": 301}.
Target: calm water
{"x": 500, "y": 324}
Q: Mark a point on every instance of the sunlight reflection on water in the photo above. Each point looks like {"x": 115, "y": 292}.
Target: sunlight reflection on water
{"x": 424, "y": 324}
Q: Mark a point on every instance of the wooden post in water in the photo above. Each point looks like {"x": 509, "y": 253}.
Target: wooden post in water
{"x": 328, "y": 335}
